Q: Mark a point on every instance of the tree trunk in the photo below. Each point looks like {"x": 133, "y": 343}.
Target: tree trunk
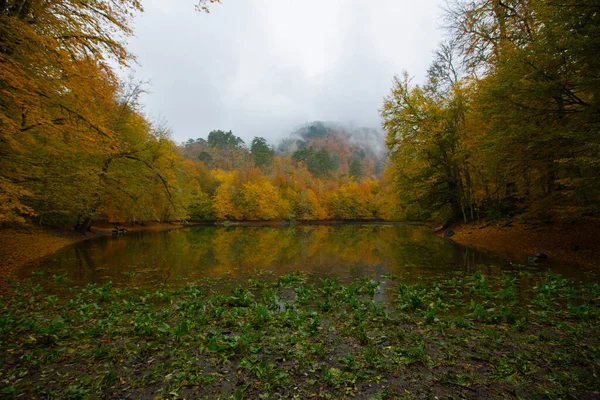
{"x": 455, "y": 200}
{"x": 500, "y": 15}
{"x": 84, "y": 226}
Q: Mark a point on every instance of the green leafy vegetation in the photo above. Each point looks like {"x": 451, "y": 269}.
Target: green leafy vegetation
{"x": 480, "y": 336}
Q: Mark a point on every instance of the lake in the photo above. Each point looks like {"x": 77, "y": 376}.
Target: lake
{"x": 216, "y": 312}
{"x": 346, "y": 252}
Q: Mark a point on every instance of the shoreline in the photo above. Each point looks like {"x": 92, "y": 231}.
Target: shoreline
{"x": 21, "y": 246}
{"x": 572, "y": 243}
{"x": 575, "y": 243}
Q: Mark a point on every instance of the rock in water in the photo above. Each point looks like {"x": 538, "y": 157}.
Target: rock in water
{"x": 538, "y": 258}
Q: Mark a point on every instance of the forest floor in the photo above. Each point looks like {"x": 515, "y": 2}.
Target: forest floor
{"x": 20, "y": 246}
{"x": 574, "y": 243}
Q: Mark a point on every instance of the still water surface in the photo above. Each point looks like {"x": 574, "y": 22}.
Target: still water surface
{"x": 171, "y": 258}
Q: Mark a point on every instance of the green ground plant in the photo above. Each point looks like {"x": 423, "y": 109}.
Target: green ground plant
{"x": 509, "y": 336}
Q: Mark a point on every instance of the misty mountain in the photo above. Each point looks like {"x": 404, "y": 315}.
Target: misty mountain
{"x": 328, "y": 150}
{"x": 329, "y": 147}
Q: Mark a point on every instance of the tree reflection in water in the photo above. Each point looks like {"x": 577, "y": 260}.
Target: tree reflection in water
{"x": 151, "y": 259}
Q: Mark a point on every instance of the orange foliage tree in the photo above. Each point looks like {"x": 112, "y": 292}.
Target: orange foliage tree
{"x": 285, "y": 188}
{"x": 74, "y": 145}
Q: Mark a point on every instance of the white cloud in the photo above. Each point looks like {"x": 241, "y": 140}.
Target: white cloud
{"x": 261, "y": 67}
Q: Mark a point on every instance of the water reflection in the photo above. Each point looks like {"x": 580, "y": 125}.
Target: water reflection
{"x": 156, "y": 259}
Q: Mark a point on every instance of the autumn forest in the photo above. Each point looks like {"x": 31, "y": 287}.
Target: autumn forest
{"x": 506, "y": 124}
{"x": 288, "y": 251}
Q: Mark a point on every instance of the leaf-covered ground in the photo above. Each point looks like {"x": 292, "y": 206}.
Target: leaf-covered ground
{"x": 19, "y": 247}
{"x": 516, "y": 336}
{"x": 571, "y": 243}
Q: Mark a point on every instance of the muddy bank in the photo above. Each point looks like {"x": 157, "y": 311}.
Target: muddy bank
{"x": 574, "y": 243}
{"x": 19, "y": 247}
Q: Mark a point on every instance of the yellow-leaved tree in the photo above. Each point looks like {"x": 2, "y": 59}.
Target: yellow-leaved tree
{"x": 54, "y": 78}
{"x": 74, "y": 144}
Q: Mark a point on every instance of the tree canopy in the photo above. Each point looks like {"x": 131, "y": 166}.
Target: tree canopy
{"x": 262, "y": 153}
{"x": 72, "y": 139}
{"x": 506, "y": 123}
{"x": 307, "y": 185}
{"x": 516, "y": 132}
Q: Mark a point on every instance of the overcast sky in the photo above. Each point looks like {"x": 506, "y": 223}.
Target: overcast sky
{"x": 264, "y": 67}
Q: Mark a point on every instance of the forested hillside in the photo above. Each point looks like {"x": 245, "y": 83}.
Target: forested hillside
{"x": 318, "y": 172}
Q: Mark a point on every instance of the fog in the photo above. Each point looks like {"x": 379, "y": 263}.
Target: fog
{"x": 265, "y": 67}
